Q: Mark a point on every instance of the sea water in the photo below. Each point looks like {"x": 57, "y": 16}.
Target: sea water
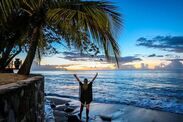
{"x": 160, "y": 90}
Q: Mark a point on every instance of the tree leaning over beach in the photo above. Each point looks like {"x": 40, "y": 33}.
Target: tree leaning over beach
{"x": 76, "y": 21}
{"x": 11, "y": 40}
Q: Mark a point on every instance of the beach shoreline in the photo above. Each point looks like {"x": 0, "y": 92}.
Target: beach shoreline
{"x": 105, "y": 112}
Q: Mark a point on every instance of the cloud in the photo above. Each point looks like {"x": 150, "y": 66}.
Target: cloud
{"x": 169, "y": 55}
{"x": 129, "y": 59}
{"x": 76, "y": 56}
{"x": 129, "y": 67}
{"x": 173, "y": 56}
{"x": 36, "y": 66}
{"x": 138, "y": 55}
{"x": 154, "y": 55}
{"x": 175, "y": 59}
{"x": 175, "y": 64}
{"x": 166, "y": 43}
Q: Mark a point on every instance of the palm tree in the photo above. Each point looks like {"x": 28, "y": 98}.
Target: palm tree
{"x": 11, "y": 37}
{"x": 76, "y": 21}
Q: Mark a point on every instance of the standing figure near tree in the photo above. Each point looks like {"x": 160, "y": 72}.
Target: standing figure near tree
{"x": 85, "y": 94}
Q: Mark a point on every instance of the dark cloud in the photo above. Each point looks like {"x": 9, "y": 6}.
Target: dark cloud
{"x": 137, "y": 55}
{"x": 173, "y": 56}
{"x": 159, "y": 56}
{"x": 175, "y": 59}
{"x": 76, "y": 56}
{"x": 129, "y": 59}
{"x": 169, "y": 55}
{"x": 70, "y": 55}
{"x": 166, "y": 43}
{"x": 154, "y": 55}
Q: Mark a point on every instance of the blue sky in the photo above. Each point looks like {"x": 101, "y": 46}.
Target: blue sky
{"x": 147, "y": 19}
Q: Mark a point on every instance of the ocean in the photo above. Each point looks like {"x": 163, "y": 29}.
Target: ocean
{"x": 153, "y": 89}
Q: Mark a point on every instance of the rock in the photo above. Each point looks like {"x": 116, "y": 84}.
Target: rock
{"x": 73, "y": 118}
{"x": 60, "y": 116}
{"x": 67, "y": 104}
{"x": 69, "y": 109}
{"x": 60, "y": 107}
{"x": 106, "y": 118}
{"x": 98, "y": 119}
{"x": 53, "y": 106}
{"x": 57, "y": 101}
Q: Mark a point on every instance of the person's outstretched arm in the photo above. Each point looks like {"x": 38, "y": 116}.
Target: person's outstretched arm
{"x": 77, "y": 78}
{"x": 94, "y": 77}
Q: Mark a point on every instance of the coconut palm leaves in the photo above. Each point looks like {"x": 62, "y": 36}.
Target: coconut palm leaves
{"x": 98, "y": 18}
{"x": 6, "y": 8}
{"x": 76, "y": 21}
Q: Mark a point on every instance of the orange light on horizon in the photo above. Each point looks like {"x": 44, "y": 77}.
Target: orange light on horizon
{"x": 91, "y": 66}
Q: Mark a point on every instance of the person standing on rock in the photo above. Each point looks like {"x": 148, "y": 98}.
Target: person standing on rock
{"x": 85, "y": 94}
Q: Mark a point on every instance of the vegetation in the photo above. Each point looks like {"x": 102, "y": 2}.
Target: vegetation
{"x": 11, "y": 38}
{"x": 77, "y": 22}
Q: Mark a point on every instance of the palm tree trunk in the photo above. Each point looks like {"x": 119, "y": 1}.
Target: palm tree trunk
{"x": 5, "y": 55}
{"x": 26, "y": 66}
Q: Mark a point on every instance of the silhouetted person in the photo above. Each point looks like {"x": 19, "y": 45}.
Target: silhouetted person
{"x": 85, "y": 94}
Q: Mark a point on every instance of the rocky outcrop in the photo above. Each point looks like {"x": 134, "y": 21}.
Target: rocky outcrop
{"x": 22, "y": 101}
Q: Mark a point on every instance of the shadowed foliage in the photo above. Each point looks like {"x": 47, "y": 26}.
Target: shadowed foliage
{"x": 75, "y": 21}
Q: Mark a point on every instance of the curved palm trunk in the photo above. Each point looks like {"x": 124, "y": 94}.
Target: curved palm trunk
{"x": 26, "y": 66}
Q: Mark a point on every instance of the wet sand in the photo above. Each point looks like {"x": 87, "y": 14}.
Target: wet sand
{"x": 101, "y": 112}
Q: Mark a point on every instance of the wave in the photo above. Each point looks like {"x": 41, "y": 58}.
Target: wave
{"x": 144, "y": 103}
{"x": 157, "y": 90}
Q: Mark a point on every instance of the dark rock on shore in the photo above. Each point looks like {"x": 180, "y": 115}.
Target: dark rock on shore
{"x": 69, "y": 109}
{"x": 57, "y": 101}
{"x": 102, "y": 112}
{"x": 53, "y": 106}
{"x": 73, "y": 118}
{"x": 106, "y": 118}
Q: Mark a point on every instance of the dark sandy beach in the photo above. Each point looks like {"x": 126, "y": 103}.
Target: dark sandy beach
{"x": 101, "y": 112}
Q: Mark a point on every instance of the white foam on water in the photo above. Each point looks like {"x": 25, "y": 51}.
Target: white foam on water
{"x": 161, "y": 90}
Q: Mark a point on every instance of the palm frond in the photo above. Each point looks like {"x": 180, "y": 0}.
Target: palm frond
{"x": 76, "y": 19}
{"x": 41, "y": 45}
{"x": 32, "y": 5}
{"x": 100, "y": 19}
{"x": 6, "y": 8}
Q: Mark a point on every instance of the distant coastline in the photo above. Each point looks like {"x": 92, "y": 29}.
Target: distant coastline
{"x": 175, "y": 65}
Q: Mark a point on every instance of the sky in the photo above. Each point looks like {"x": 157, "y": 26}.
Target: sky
{"x": 151, "y": 37}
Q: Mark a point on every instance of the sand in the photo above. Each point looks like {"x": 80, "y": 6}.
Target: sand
{"x": 101, "y": 112}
